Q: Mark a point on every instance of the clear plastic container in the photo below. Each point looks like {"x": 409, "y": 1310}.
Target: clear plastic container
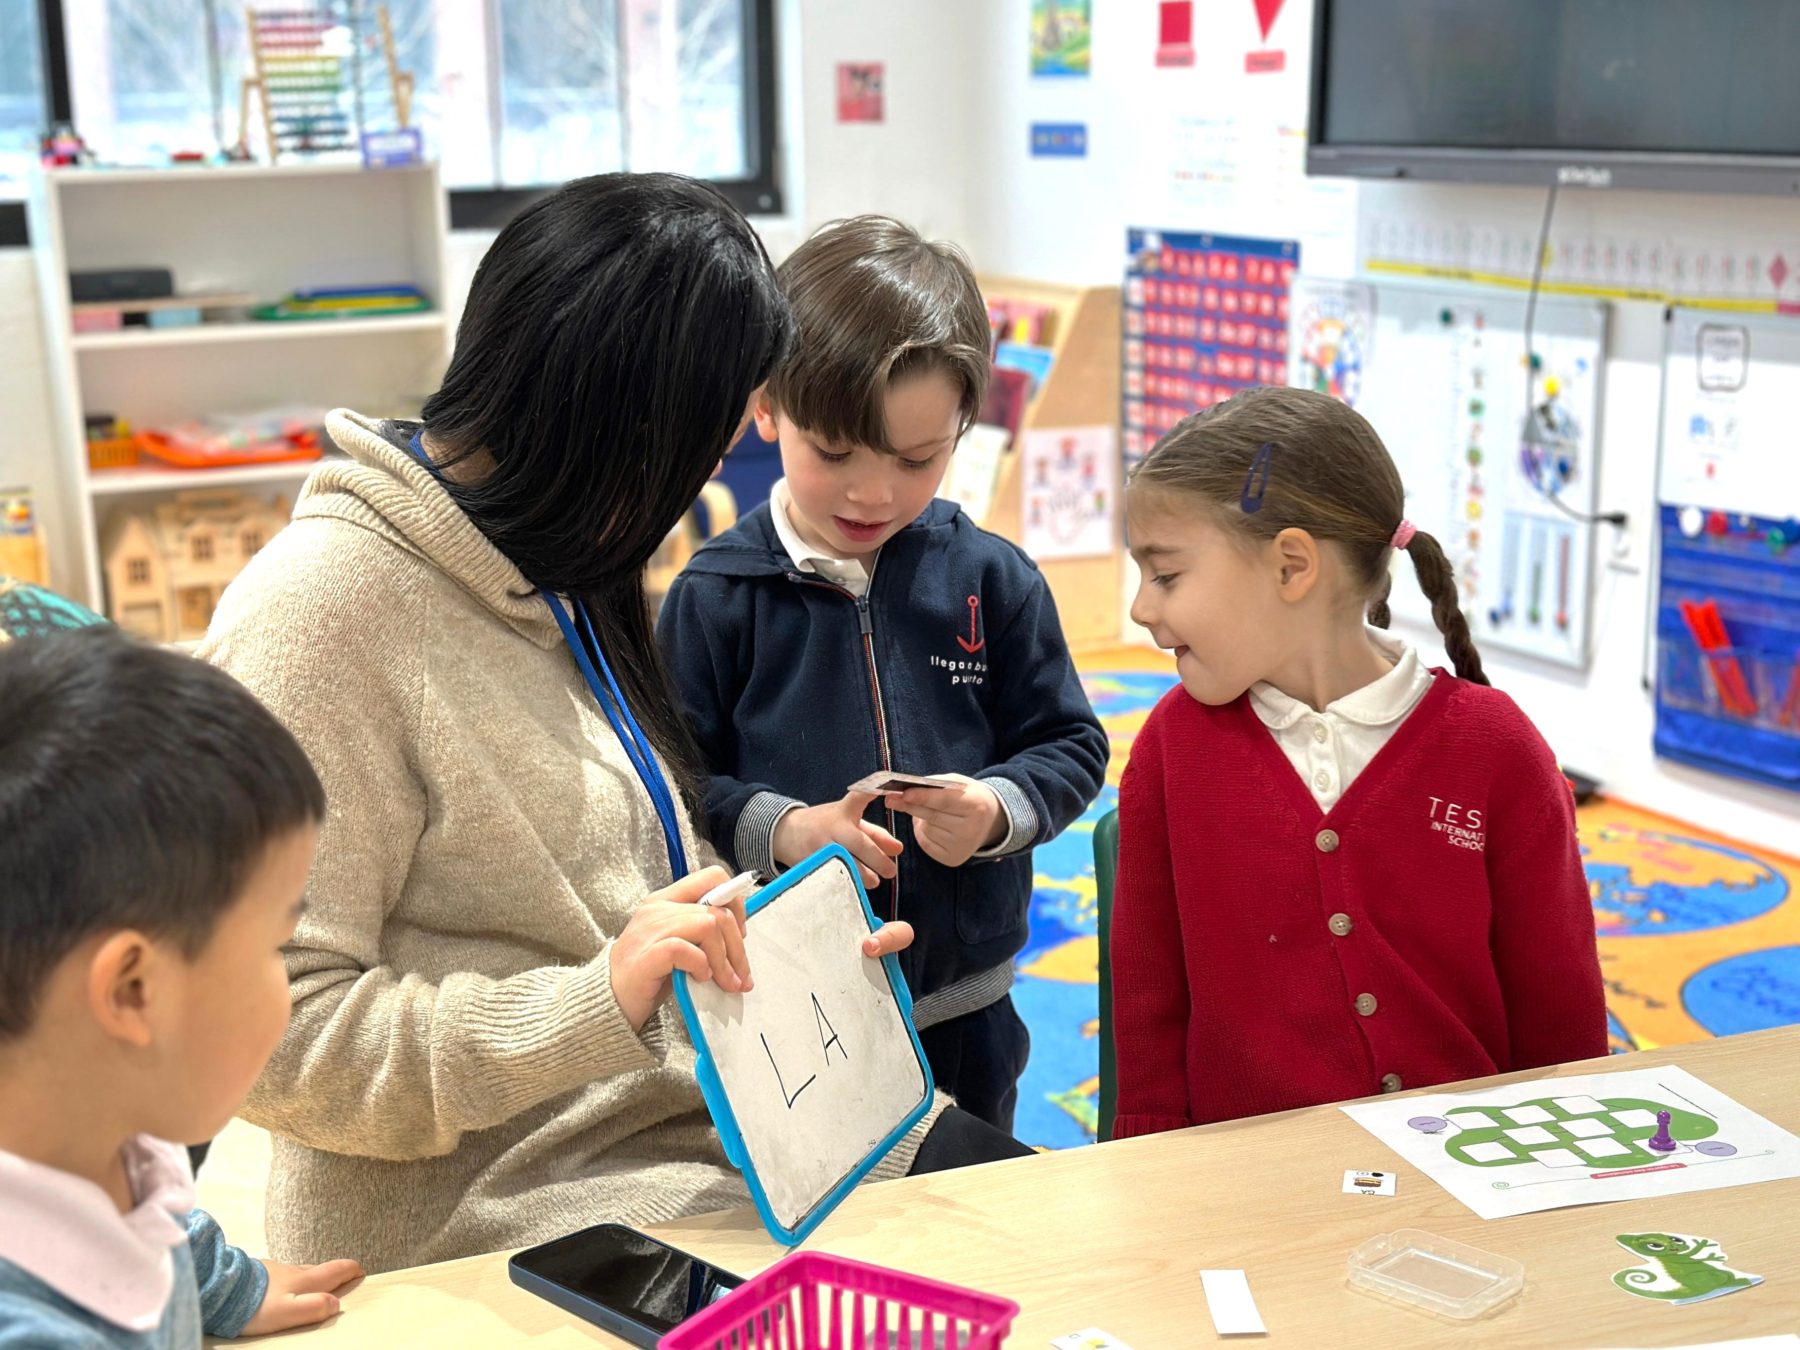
{"x": 1448, "y": 1278}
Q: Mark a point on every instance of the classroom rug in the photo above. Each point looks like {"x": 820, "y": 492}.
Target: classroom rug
{"x": 1699, "y": 936}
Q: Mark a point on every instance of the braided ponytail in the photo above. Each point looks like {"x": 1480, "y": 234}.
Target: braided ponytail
{"x": 1438, "y": 580}
{"x": 1379, "y": 616}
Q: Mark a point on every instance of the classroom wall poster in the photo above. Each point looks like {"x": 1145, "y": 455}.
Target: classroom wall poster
{"x": 1206, "y": 315}
{"x": 1235, "y": 161}
{"x": 1175, "y": 33}
{"x": 859, "y": 90}
{"x": 1059, "y": 140}
{"x": 1263, "y": 61}
{"x": 1060, "y": 33}
{"x": 1726, "y": 391}
{"x": 1070, "y": 479}
{"x": 975, "y": 470}
{"x": 1436, "y": 370}
{"x": 1745, "y": 274}
{"x": 1333, "y": 333}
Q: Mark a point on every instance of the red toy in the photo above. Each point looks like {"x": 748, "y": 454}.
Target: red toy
{"x": 61, "y": 148}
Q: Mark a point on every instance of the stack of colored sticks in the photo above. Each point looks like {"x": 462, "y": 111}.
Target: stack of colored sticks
{"x": 1789, "y": 714}
{"x": 1708, "y": 628}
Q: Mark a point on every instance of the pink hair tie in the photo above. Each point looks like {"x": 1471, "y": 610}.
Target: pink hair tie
{"x": 1403, "y": 534}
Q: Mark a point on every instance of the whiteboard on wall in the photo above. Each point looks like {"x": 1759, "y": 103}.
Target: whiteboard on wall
{"x": 1440, "y": 372}
{"x": 1730, "y": 386}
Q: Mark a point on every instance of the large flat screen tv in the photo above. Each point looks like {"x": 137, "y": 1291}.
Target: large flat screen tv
{"x": 1683, "y": 95}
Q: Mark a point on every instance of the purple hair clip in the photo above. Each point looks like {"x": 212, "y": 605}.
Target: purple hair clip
{"x": 1256, "y": 482}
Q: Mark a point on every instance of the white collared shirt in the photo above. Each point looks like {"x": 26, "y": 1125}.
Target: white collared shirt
{"x": 66, "y": 1231}
{"x": 1015, "y": 807}
{"x": 1329, "y": 749}
{"x": 846, "y": 572}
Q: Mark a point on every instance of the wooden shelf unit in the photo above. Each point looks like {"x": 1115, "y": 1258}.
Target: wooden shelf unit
{"x": 1081, "y": 390}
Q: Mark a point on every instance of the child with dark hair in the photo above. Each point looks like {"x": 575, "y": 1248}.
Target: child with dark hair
{"x": 1340, "y": 872}
{"x": 156, "y": 826}
{"x": 854, "y": 624}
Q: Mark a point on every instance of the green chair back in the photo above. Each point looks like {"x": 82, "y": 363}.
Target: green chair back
{"x": 1106, "y": 867}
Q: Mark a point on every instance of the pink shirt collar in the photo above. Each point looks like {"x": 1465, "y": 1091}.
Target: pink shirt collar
{"x": 65, "y": 1231}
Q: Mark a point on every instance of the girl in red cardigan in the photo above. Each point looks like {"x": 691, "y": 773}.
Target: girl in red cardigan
{"x": 1340, "y": 872}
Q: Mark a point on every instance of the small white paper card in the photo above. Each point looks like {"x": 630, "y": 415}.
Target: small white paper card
{"x": 1370, "y": 1183}
{"x": 1091, "y": 1339}
{"x": 1228, "y": 1300}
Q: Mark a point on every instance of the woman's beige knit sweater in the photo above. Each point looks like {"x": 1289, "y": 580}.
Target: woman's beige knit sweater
{"x": 458, "y": 1077}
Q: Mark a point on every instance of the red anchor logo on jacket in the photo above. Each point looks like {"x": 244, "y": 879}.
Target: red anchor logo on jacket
{"x": 970, "y": 644}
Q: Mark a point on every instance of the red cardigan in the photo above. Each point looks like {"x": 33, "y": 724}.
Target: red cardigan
{"x": 1435, "y": 925}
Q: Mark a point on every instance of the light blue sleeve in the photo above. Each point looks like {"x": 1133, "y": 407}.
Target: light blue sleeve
{"x": 232, "y": 1285}
{"x": 28, "y": 1326}
{"x": 33, "y": 1317}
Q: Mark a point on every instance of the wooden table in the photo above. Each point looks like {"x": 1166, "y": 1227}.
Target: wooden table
{"x": 1115, "y": 1236}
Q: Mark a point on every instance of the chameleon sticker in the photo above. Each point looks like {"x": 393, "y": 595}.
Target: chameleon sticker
{"x": 1679, "y": 1269}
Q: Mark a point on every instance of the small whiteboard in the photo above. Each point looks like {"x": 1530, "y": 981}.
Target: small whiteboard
{"x": 816, "y": 1073}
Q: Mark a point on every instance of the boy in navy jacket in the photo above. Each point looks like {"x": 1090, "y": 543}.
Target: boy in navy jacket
{"x": 854, "y": 624}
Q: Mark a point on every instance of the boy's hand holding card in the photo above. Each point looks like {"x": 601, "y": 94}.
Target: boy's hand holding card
{"x": 805, "y": 830}
{"x": 953, "y": 826}
{"x": 883, "y": 782}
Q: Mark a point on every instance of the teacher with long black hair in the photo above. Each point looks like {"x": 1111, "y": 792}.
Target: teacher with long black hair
{"x": 482, "y": 1054}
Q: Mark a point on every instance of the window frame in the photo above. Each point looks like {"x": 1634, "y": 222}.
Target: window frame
{"x": 53, "y": 53}
{"x": 758, "y": 194}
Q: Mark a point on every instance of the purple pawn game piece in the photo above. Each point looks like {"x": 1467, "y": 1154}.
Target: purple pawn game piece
{"x": 1660, "y": 1141}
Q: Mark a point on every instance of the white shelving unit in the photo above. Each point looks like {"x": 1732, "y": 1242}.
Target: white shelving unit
{"x": 199, "y": 334}
{"x": 119, "y": 482}
{"x": 246, "y": 229}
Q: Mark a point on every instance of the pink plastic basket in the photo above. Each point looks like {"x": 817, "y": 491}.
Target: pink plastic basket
{"x": 814, "y": 1301}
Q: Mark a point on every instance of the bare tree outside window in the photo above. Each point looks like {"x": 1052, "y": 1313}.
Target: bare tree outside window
{"x": 713, "y": 141}
{"x": 559, "y": 90}
{"x": 21, "y": 95}
{"x": 508, "y": 93}
{"x": 151, "y": 78}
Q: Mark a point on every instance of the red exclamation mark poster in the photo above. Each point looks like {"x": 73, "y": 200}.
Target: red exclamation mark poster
{"x": 1264, "y": 61}
{"x": 1175, "y": 39}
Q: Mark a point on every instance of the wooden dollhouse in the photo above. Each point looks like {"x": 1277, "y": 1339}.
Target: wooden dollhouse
{"x": 167, "y": 567}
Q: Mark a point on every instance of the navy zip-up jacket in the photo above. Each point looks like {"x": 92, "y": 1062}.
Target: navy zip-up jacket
{"x": 954, "y": 662}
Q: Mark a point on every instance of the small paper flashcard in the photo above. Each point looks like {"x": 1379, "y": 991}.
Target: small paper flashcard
{"x": 1370, "y": 1183}
{"x": 1091, "y": 1339}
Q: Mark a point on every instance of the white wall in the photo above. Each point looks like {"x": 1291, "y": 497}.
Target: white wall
{"x": 919, "y": 163}
{"x": 1065, "y": 219}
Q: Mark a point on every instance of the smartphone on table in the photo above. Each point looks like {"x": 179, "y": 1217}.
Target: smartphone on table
{"x": 622, "y": 1281}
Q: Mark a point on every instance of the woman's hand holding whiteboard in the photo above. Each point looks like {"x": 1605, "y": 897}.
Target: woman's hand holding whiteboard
{"x": 814, "y": 1072}
{"x": 670, "y": 932}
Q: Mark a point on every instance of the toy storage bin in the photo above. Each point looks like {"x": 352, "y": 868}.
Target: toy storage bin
{"x": 815, "y": 1301}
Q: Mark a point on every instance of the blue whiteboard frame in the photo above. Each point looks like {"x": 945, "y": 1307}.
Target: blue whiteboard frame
{"x": 718, "y": 1101}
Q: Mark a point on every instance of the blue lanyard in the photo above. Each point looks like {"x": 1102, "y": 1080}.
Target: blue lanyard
{"x": 618, "y": 713}
{"x": 630, "y": 735}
